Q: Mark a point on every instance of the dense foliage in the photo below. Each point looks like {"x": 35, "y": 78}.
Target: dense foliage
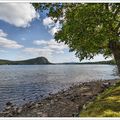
{"x": 88, "y": 29}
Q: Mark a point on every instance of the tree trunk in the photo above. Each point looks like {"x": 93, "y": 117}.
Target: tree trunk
{"x": 115, "y": 48}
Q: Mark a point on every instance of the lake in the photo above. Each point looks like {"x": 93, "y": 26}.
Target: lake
{"x": 22, "y": 83}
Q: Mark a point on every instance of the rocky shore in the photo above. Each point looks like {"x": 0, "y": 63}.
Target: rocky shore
{"x": 67, "y": 103}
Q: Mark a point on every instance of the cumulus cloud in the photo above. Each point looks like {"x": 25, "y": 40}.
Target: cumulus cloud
{"x": 48, "y": 22}
{"x": 2, "y": 34}
{"x": 52, "y": 27}
{"x": 51, "y": 44}
{"x": 39, "y": 42}
{"x": 17, "y": 14}
{"x": 7, "y": 43}
{"x": 4, "y": 42}
{"x": 39, "y": 52}
{"x": 46, "y": 48}
{"x": 53, "y": 30}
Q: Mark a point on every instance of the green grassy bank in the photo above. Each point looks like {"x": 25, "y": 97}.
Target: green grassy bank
{"x": 107, "y": 104}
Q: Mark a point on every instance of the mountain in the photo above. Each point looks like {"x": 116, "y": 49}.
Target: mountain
{"x": 34, "y": 61}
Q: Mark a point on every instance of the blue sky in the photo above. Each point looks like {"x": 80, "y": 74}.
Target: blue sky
{"x": 25, "y": 34}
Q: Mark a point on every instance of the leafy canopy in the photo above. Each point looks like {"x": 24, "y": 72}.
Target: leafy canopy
{"x": 86, "y": 28}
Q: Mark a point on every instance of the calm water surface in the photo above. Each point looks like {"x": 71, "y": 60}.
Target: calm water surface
{"x": 22, "y": 83}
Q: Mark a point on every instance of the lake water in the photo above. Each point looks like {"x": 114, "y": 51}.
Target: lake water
{"x": 22, "y": 83}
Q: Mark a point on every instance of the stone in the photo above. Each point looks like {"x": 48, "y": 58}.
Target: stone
{"x": 55, "y": 100}
{"x": 44, "y": 115}
{"x": 36, "y": 105}
{"x": 24, "y": 99}
{"x": 41, "y": 95}
{"x": 47, "y": 104}
{"x": 19, "y": 110}
{"x": 52, "y": 101}
{"x": 8, "y": 108}
{"x": 8, "y": 104}
{"x": 84, "y": 107}
{"x": 9, "y": 115}
{"x": 39, "y": 114}
{"x": 105, "y": 85}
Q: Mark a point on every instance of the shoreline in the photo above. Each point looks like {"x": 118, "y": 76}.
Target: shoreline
{"x": 66, "y": 103}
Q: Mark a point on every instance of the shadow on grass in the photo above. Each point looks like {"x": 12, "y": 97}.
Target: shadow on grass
{"x": 107, "y": 104}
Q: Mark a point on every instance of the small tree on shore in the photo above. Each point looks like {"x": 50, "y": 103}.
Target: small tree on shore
{"x": 88, "y": 29}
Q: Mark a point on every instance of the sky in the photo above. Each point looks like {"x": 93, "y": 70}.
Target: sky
{"x": 25, "y": 34}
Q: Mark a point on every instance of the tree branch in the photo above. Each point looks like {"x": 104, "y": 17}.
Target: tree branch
{"x": 116, "y": 12}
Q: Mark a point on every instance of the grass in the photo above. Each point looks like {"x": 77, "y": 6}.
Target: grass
{"x": 107, "y": 104}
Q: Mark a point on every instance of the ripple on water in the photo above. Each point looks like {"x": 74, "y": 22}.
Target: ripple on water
{"x": 20, "y": 84}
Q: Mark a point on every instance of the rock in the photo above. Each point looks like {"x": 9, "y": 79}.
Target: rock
{"x": 55, "y": 100}
{"x": 15, "y": 108}
{"x": 48, "y": 98}
{"x": 8, "y": 104}
{"x": 105, "y": 85}
{"x": 72, "y": 99}
{"x": 66, "y": 94}
{"x": 19, "y": 110}
{"x": 91, "y": 97}
{"x": 84, "y": 107}
{"x": 28, "y": 105}
{"x": 24, "y": 99}
{"x": 48, "y": 104}
{"x": 39, "y": 114}
{"x": 8, "y": 108}
{"x": 83, "y": 84}
{"x": 52, "y": 102}
{"x": 36, "y": 105}
{"x": 50, "y": 94}
{"x": 44, "y": 115}
{"x": 9, "y": 115}
{"x": 41, "y": 95}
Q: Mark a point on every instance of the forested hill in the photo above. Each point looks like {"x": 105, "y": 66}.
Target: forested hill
{"x": 34, "y": 61}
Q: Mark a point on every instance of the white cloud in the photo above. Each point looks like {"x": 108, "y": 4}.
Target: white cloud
{"x": 53, "y": 30}
{"x": 47, "y": 48}
{"x": 2, "y": 34}
{"x": 4, "y": 42}
{"x": 58, "y": 46}
{"x": 51, "y": 25}
{"x": 39, "y": 42}
{"x": 39, "y": 52}
{"x": 51, "y": 44}
{"x": 48, "y": 22}
{"x": 17, "y": 14}
{"x": 7, "y": 43}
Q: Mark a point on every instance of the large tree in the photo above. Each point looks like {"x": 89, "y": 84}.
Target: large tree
{"x": 88, "y": 29}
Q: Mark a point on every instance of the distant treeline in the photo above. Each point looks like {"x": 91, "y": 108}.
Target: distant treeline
{"x": 110, "y": 62}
